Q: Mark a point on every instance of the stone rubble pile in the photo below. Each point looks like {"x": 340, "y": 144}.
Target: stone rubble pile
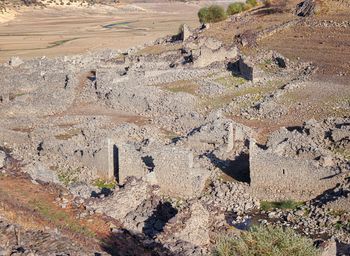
{"x": 160, "y": 124}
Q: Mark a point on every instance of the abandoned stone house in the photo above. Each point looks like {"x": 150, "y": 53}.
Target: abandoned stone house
{"x": 274, "y": 177}
{"x": 176, "y": 169}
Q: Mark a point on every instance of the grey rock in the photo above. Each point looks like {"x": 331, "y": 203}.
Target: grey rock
{"x": 42, "y": 173}
{"x": 15, "y": 62}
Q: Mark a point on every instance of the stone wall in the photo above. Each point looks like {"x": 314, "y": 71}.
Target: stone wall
{"x": 205, "y": 56}
{"x": 275, "y": 177}
{"x": 248, "y": 70}
{"x": 129, "y": 163}
{"x": 242, "y": 133}
{"x": 219, "y": 133}
{"x": 176, "y": 173}
{"x": 102, "y": 160}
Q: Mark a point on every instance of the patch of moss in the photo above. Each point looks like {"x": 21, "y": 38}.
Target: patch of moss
{"x": 285, "y": 204}
{"x": 230, "y": 81}
{"x": 101, "y": 184}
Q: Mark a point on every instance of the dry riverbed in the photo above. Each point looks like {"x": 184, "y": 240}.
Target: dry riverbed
{"x": 57, "y": 31}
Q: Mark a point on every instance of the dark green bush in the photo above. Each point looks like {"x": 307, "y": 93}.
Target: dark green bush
{"x": 212, "y": 14}
{"x": 266, "y": 241}
{"x": 235, "y": 8}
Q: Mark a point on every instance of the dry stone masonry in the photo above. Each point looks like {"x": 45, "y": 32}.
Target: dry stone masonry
{"x": 161, "y": 121}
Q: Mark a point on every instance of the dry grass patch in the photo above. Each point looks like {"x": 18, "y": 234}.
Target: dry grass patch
{"x": 266, "y": 241}
{"x": 58, "y": 218}
{"x": 230, "y": 81}
{"x": 251, "y": 94}
{"x": 159, "y": 49}
{"x": 186, "y": 86}
{"x": 343, "y": 152}
{"x": 68, "y": 135}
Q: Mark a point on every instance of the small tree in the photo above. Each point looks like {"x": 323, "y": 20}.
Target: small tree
{"x": 217, "y": 13}
{"x": 235, "y": 8}
{"x": 203, "y": 15}
{"x": 212, "y": 14}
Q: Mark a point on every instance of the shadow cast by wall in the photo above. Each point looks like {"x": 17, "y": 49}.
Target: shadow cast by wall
{"x": 125, "y": 243}
{"x": 330, "y": 195}
{"x": 156, "y": 222}
{"x": 238, "y": 168}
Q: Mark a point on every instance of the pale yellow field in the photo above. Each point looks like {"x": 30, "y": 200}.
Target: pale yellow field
{"x": 57, "y": 31}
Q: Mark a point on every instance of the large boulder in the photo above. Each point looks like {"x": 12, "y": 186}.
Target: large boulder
{"x": 40, "y": 172}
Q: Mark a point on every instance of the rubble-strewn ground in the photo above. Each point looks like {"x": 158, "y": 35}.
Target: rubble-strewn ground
{"x": 163, "y": 149}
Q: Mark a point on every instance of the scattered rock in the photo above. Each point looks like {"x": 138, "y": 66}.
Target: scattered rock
{"x": 196, "y": 229}
{"x": 15, "y": 62}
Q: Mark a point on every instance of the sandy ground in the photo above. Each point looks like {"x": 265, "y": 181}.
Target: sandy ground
{"x": 7, "y": 16}
{"x": 69, "y": 30}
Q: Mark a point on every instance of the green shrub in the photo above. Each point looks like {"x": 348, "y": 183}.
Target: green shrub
{"x": 203, "y": 15}
{"x": 211, "y": 14}
{"x": 266, "y": 241}
{"x": 252, "y": 3}
{"x": 235, "y": 8}
{"x": 287, "y": 204}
